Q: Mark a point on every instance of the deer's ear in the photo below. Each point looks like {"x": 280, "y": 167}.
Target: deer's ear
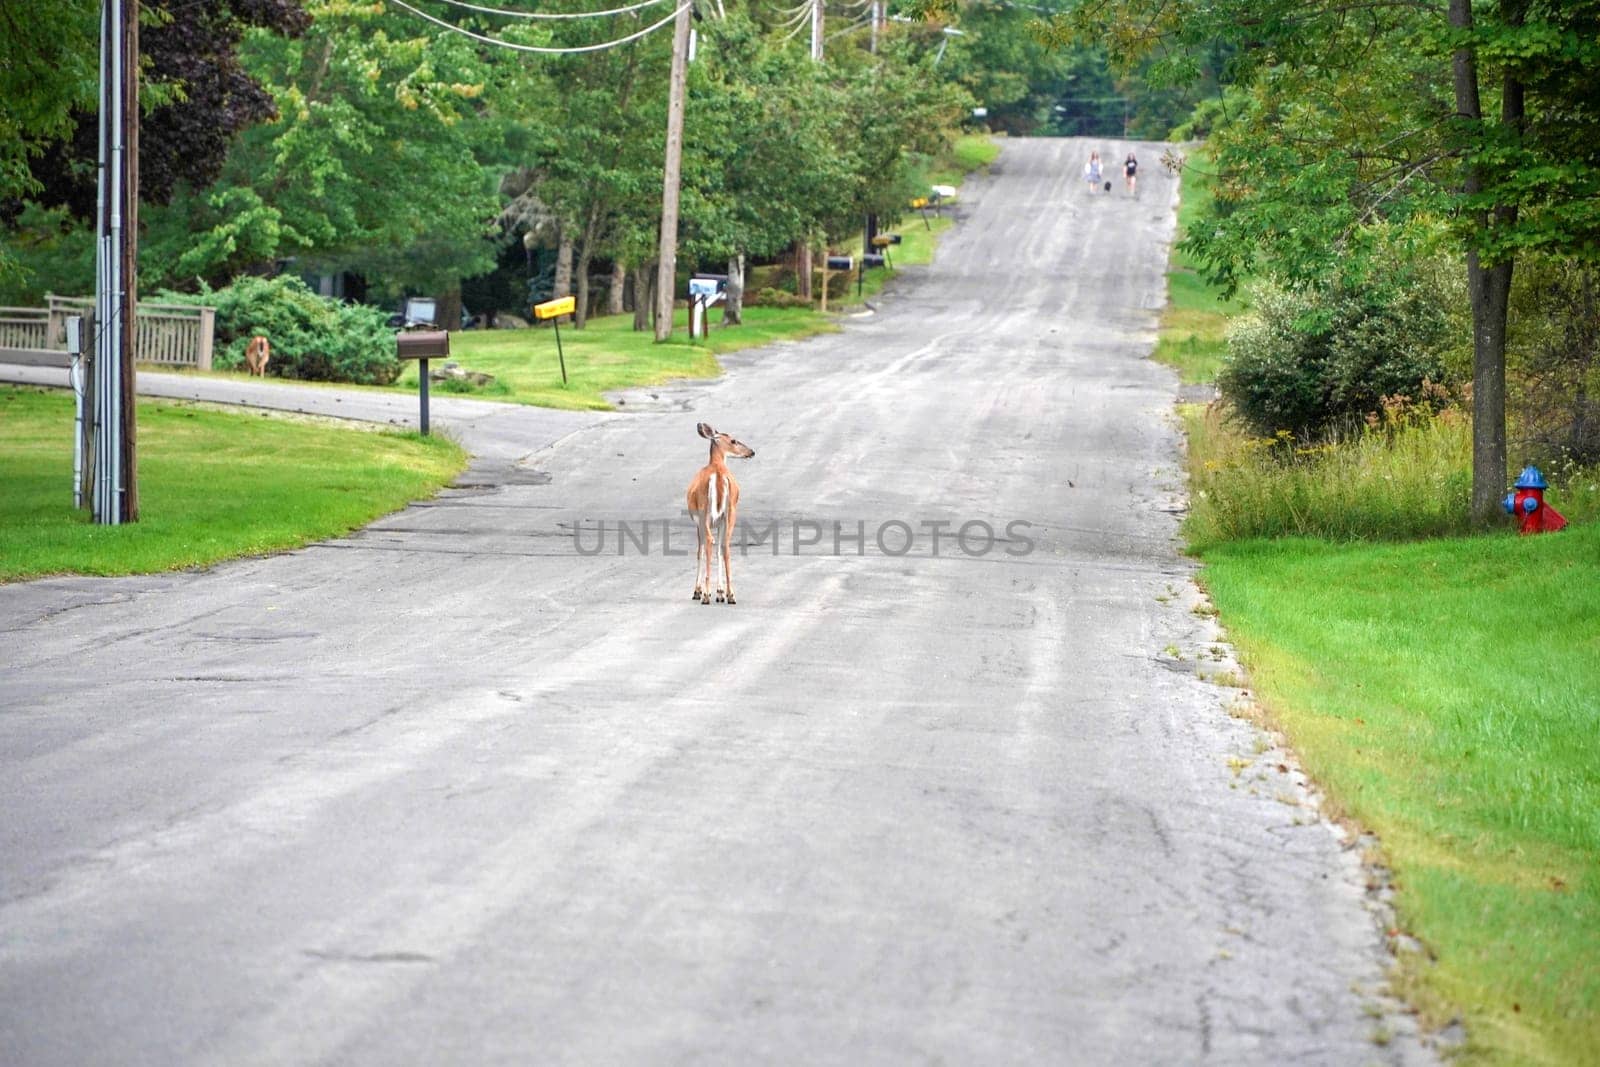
{"x": 706, "y": 430}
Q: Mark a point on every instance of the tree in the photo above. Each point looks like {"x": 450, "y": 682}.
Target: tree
{"x": 1375, "y": 112}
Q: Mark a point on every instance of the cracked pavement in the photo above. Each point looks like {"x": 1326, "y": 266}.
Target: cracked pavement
{"x": 457, "y": 789}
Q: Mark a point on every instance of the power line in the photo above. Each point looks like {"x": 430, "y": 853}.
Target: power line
{"x": 537, "y": 48}
{"x": 550, "y": 14}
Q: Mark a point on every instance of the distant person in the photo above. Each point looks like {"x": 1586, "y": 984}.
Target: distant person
{"x": 1091, "y": 171}
{"x": 1130, "y": 174}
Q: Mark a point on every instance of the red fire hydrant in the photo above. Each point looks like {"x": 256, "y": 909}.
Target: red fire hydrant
{"x": 1527, "y": 504}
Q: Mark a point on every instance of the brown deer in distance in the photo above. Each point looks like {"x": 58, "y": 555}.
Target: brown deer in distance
{"x": 256, "y": 354}
{"x": 714, "y": 503}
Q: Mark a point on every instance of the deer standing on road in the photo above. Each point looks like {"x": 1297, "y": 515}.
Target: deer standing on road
{"x": 714, "y": 502}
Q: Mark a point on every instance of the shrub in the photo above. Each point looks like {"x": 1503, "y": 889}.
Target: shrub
{"x": 313, "y": 337}
{"x": 1314, "y": 360}
{"x": 1553, "y": 362}
{"x": 775, "y": 298}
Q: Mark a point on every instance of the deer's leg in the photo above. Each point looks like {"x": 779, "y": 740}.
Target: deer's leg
{"x": 709, "y": 540}
{"x": 727, "y": 540}
{"x": 699, "y": 556}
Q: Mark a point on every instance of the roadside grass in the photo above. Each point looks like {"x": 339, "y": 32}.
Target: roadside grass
{"x": 212, "y": 486}
{"x": 1411, "y": 480}
{"x": 608, "y": 355}
{"x": 1446, "y": 695}
{"x": 919, "y": 237}
{"x": 969, "y": 152}
{"x": 1194, "y": 323}
{"x": 1442, "y": 689}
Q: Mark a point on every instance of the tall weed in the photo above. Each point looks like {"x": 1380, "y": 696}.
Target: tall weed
{"x": 1408, "y": 477}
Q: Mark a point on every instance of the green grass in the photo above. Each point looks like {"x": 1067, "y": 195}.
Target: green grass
{"x": 212, "y": 486}
{"x": 919, "y": 238}
{"x": 1446, "y": 695}
{"x": 969, "y": 152}
{"x": 608, "y": 355}
{"x": 1195, "y": 321}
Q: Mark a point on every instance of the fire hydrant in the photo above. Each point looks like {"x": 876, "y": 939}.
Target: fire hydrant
{"x": 1527, "y": 504}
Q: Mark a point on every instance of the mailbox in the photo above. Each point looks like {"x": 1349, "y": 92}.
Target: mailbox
{"x": 885, "y": 239}
{"x": 708, "y": 285}
{"x": 422, "y": 344}
{"x": 872, "y": 259}
{"x": 841, "y": 263}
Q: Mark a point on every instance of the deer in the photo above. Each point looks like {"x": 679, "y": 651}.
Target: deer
{"x": 256, "y": 354}
{"x": 714, "y": 502}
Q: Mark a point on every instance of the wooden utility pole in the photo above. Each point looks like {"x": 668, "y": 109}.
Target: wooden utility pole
{"x": 667, "y": 268}
{"x": 130, "y": 256}
{"x": 115, "y": 495}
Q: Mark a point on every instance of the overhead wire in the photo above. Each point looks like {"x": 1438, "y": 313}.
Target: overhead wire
{"x": 541, "y": 49}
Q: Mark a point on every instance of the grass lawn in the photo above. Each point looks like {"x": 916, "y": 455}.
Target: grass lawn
{"x": 1447, "y": 695}
{"x": 1195, "y": 321}
{"x": 969, "y": 152}
{"x": 212, "y": 486}
{"x": 608, "y": 354}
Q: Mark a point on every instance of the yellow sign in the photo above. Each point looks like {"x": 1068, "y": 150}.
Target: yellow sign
{"x": 552, "y": 308}
{"x": 920, "y": 201}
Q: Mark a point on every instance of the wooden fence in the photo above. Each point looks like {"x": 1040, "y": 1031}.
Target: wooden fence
{"x": 169, "y": 335}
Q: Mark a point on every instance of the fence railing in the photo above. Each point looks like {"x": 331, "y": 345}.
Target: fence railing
{"x": 170, "y": 335}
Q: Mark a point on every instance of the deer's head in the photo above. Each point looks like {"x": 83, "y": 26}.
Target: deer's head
{"x": 724, "y": 443}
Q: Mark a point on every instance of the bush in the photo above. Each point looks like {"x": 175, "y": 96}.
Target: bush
{"x": 313, "y": 337}
{"x": 775, "y": 298}
{"x": 1553, "y": 362}
{"x": 1314, "y": 361}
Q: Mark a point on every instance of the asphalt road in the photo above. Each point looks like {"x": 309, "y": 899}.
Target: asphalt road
{"x": 462, "y": 789}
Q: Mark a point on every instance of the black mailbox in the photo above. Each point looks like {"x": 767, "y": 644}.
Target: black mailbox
{"x": 841, "y": 263}
{"x": 422, "y": 344}
{"x": 872, "y": 259}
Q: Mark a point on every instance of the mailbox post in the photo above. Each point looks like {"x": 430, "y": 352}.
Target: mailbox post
{"x": 704, "y": 290}
{"x": 422, "y": 345}
{"x": 553, "y": 310}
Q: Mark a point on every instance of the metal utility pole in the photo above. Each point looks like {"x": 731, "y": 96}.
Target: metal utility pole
{"x": 667, "y": 259}
{"x": 816, "y": 30}
{"x": 115, "y": 496}
{"x": 877, "y": 16}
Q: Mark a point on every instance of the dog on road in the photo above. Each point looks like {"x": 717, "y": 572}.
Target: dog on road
{"x": 256, "y": 354}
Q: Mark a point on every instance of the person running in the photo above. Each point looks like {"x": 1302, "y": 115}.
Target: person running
{"x": 1130, "y": 174}
{"x": 1091, "y": 171}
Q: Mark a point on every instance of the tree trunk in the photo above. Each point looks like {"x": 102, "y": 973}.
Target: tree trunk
{"x": 802, "y": 269}
{"x": 447, "y": 315}
{"x": 585, "y": 255}
{"x": 1489, "y": 287}
{"x": 563, "y": 282}
{"x": 641, "y": 296}
{"x": 619, "y": 286}
{"x": 733, "y": 306}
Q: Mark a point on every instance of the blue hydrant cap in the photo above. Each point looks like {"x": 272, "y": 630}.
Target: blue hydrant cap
{"x": 1530, "y": 478}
